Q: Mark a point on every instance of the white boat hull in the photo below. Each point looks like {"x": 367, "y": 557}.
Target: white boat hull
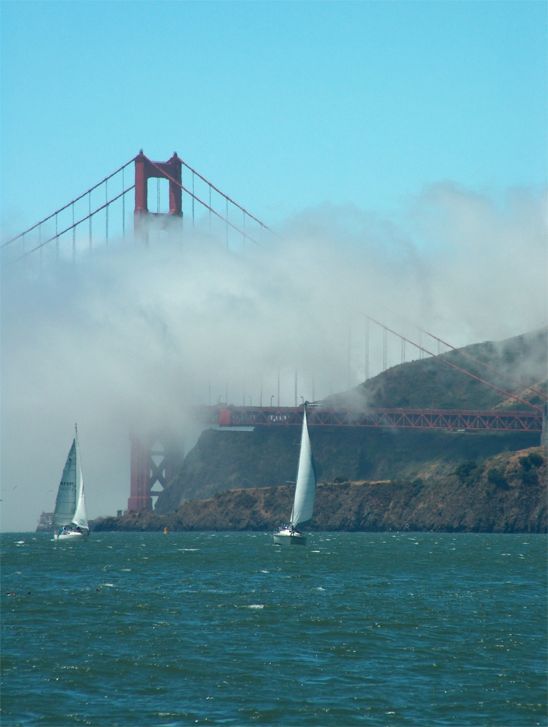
{"x": 70, "y": 535}
{"x": 289, "y": 537}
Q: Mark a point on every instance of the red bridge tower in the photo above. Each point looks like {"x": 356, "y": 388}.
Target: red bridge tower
{"x": 154, "y": 462}
{"x": 146, "y": 169}
{"x": 154, "y": 458}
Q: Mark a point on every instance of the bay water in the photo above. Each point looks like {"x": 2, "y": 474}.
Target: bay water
{"x": 229, "y": 629}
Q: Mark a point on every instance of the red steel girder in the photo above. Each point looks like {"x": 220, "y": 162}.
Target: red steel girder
{"x": 399, "y": 418}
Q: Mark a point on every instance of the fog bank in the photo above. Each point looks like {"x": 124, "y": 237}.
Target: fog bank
{"x": 132, "y": 336}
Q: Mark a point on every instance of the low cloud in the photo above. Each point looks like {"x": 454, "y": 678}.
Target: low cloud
{"x": 132, "y": 336}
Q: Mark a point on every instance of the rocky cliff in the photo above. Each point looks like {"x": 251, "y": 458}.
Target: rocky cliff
{"x": 503, "y": 493}
{"x": 224, "y": 459}
{"x": 381, "y": 479}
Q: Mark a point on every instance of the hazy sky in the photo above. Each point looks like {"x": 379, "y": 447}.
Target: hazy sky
{"x": 399, "y": 149}
{"x": 284, "y": 105}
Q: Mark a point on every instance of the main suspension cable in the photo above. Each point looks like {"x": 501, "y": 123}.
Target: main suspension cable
{"x": 462, "y": 370}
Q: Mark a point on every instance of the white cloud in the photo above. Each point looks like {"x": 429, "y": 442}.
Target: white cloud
{"x": 132, "y": 336}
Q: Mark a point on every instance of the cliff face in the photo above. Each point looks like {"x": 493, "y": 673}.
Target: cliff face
{"x": 226, "y": 459}
{"x": 223, "y": 460}
{"x": 503, "y": 493}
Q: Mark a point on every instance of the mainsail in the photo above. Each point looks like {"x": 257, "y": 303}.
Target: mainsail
{"x": 305, "y": 489}
{"x": 70, "y": 506}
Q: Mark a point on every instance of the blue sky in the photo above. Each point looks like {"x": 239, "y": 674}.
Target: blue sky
{"x": 284, "y": 105}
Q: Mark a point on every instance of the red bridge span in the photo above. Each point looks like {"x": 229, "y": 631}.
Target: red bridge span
{"x": 398, "y": 418}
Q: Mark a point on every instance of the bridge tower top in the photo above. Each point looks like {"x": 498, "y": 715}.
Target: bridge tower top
{"x": 145, "y": 169}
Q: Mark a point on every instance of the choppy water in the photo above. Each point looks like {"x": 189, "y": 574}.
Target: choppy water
{"x": 228, "y": 629}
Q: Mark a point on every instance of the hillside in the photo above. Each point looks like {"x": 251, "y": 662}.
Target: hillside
{"x": 504, "y": 493}
{"x": 514, "y": 365}
{"x": 223, "y": 460}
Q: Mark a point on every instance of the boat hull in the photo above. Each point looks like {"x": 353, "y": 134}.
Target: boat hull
{"x": 70, "y": 535}
{"x": 286, "y": 537}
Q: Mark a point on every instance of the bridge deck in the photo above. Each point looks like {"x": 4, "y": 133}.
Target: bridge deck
{"x": 456, "y": 420}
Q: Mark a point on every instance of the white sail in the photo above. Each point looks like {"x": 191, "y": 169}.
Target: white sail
{"x": 305, "y": 489}
{"x": 80, "y": 516}
{"x": 70, "y": 507}
{"x": 65, "y": 505}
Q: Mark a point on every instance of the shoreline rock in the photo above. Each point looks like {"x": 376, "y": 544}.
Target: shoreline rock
{"x": 504, "y": 493}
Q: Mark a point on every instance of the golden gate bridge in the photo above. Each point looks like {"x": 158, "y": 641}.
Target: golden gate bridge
{"x": 183, "y": 197}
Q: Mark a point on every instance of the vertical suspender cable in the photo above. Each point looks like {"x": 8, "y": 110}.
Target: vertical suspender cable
{"x": 73, "y": 236}
{"x": 348, "y": 357}
{"x": 56, "y": 239}
{"x": 106, "y": 211}
{"x": 90, "y": 218}
{"x": 366, "y": 350}
{"x": 123, "y": 204}
{"x": 226, "y": 219}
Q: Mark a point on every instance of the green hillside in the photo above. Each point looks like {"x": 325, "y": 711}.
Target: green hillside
{"x": 514, "y": 365}
{"x": 224, "y": 459}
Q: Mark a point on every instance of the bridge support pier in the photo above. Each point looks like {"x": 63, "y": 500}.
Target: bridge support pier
{"x": 140, "y": 499}
{"x": 154, "y": 462}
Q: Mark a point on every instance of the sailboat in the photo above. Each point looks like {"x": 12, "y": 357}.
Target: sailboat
{"x": 69, "y": 518}
{"x": 305, "y": 494}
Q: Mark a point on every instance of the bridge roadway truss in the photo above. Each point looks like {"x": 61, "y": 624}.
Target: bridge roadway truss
{"x": 399, "y": 418}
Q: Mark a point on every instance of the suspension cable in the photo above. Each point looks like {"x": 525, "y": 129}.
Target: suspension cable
{"x": 204, "y": 204}
{"x": 62, "y": 209}
{"x": 210, "y": 184}
{"x": 75, "y": 224}
{"x": 443, "y": 359}
{"x": 478, "y": 361}
{"x": 462, "y": 352}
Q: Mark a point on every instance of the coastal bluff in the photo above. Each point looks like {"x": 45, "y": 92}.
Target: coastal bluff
{"x": 506, "y": 493}
{"x": 381, "y": 478}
